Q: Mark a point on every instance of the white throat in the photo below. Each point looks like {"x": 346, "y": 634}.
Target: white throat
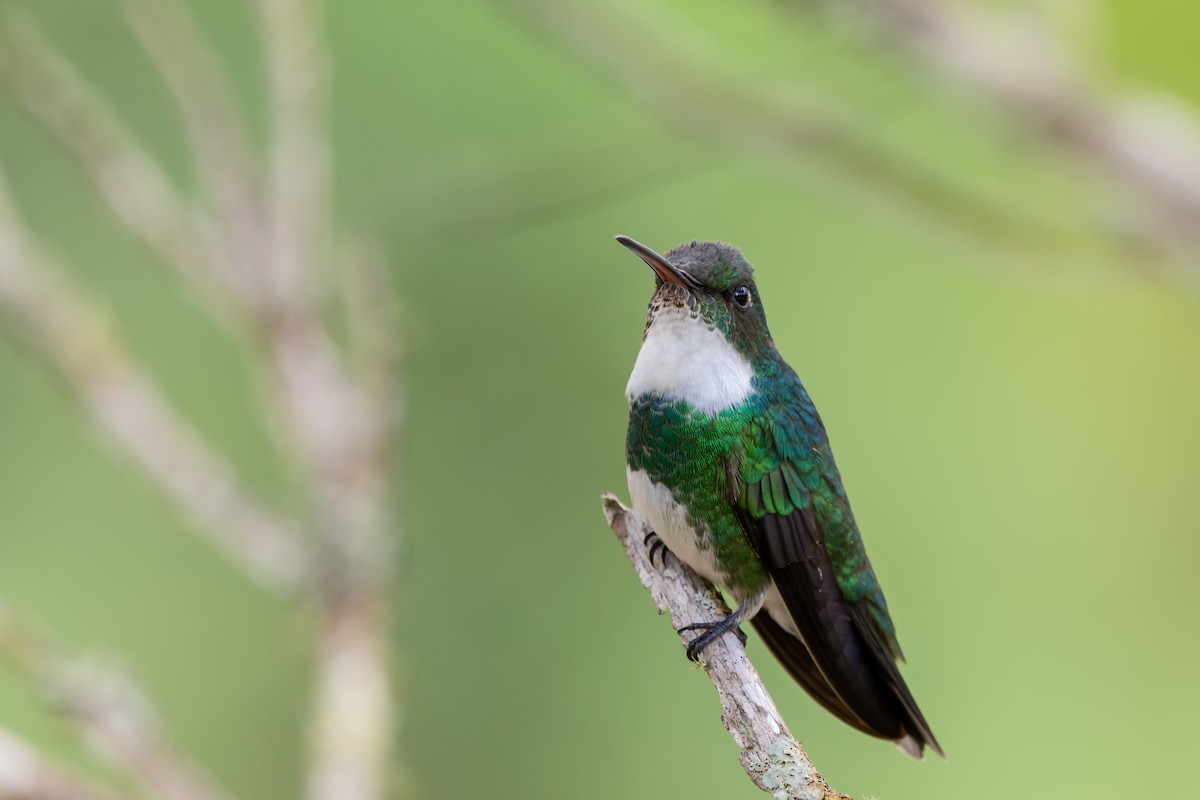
{"x": 684, "y": 359}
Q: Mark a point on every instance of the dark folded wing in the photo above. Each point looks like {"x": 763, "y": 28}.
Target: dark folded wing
{"x": 797, "y": 519}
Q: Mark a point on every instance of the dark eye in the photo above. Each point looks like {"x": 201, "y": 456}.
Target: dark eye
{"x": 741, "y": 296}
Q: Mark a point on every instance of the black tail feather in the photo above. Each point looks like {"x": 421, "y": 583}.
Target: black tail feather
{"x": 838, "y": 658}
{"x": 794, "y": 657}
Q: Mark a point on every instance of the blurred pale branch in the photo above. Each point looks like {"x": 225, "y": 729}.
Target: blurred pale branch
{"x": 108, "y": 711}
{"x": 74, "y": 336}
{"x": 123, "y": 173}
{"x": 1149, "y": 145}
{"x": 799, "y": 128}
{"x": 375, "y": 353}
{"x": 223, "y": 160}
{"x": 335, "y": 432}
{"x": 1144, "y": 153}
{"x": 25, "y": 774}
{"x": 260, "y": 247}
{"x": 771, "y": 756}
{"x": 299, "y": 153}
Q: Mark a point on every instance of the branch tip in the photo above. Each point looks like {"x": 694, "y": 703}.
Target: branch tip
{"x": 771, "y": 757}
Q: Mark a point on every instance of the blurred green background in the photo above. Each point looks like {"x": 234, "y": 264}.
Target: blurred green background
{"x": 1013, "y": 406}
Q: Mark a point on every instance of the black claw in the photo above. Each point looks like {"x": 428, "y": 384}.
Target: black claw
{"x": 712, "y": 632}
{"x": 658, "y": 546}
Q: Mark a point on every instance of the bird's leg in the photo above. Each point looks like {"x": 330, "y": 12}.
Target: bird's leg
{"x": 715, "y": 630}
{"x": 657, "y": 545}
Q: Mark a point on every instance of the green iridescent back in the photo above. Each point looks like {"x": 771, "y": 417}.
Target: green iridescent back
{"x": 770, "y": 455}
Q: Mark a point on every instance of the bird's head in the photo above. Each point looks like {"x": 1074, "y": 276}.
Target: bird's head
{"x": 708, "y": 284}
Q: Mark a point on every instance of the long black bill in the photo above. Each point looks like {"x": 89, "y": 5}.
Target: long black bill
{"x": 662, "y": 268}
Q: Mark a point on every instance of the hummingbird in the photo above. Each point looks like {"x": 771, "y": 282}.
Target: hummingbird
{"x": 729, "y": 462}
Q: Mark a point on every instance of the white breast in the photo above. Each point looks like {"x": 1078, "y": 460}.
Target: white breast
{"x": 669, "y": 520}
{"x": 684, "y": 359}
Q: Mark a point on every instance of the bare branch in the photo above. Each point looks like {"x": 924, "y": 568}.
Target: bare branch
{"x": 124, "y": 174}
{"x": 376, "y": 352}
{"x": 111, "y": 714}
{"x": 26, "y": 774}
{"x": 352, "y": 717}
{"x": 352, "y": 722}
{"x": 338, "y": 433}
{"x": 268, "y": 247}
{"x": 679, "y": 79}
{"x": 72, "y": 334}
{"x": 222, "y": 156}
{"x": 773, "y": 759}
{"x": 340, "y": 440}
{"x": 1154, "y": 151}
{"x": 299, "y": 151}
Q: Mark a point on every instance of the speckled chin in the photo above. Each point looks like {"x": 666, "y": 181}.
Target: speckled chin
{"x": 685, "y": 358}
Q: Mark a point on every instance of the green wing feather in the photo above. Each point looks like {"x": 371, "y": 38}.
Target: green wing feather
{"x": 793, "y": 507}
{"x": 786, "y": 466}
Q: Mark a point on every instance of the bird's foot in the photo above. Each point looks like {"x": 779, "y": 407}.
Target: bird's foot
{"x": 712, "y": 632}
{"x": 657, "y": 545}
